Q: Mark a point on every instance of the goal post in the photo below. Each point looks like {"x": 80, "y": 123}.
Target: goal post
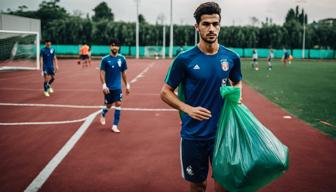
{"x": 19, "y": 50}
{"x": 153, "y": 51}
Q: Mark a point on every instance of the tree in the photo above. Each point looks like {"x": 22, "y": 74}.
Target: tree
{"x": 102, "y": 11}
{"x": 254, "y": 21}
{"x": 50, "y": 10}
{"x": 141, "y": 19}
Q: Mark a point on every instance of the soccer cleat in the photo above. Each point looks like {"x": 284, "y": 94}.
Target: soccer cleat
{"x": 50, "y": 90}
{"x": 102, "y": 120}
{"x": 46, "y": 93}
{"x": 115, "y": 129}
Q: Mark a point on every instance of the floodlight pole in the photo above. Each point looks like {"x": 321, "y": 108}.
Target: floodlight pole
{"x": 304, "y": 29}
{"x": 304, "y": 37}
{"x": 137, "y": 30}
{"x": 161, "y": 18}
{"x": 163, "y": 41}
{"x": 171, "y": 40}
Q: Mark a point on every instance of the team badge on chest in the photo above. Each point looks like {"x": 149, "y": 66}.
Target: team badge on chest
{"x": 225, "y": 64}
{"x": 119, "y": 62}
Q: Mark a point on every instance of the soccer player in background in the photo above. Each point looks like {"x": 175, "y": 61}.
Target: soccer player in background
{"x": 84, "y": 55}
{"x": 112, "y": 69}
{"x": 49, "y": 67}
{"x": 199, "y": 73}
{"x": 255, "y": 59}
{"x": 285, "y": 57}
{"x": 269, "y": 59}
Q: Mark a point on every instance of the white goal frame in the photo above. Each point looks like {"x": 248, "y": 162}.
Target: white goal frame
{"x": 37, "y": 67}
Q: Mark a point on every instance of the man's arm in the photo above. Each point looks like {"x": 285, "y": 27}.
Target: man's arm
{"x": 128, "y": 86}
{"x": 102, "y": 80}
{"x": 239, "y": 85}
{"x": 168, "y": 96}
{"x": 55, "y": 63}
{"x": 41, "y": 63}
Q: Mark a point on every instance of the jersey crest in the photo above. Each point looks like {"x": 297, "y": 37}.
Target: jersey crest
{"x": 225, "y": 64}
{"x": 119, "y": 62}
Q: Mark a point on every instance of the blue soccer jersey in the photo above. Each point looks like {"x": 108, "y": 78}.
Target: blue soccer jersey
{"x": 113, "y": 67}
{"x": 199, "y": 77}
{"x": 48, "y": 55}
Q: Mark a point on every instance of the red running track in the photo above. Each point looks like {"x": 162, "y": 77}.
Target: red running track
{"x": 145, "y": 156}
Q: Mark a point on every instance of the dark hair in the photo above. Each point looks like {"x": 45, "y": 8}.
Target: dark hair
{"x": 115, "y": 42}
{"x": 47, "y": 41}
{"x": 207, "y": 8}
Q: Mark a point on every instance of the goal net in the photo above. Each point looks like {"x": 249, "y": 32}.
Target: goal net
{"x": 19, "y": 50}
{"x": 153, "y": 52}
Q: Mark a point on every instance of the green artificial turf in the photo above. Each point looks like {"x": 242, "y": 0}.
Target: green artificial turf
{"x": 307, "y": 89}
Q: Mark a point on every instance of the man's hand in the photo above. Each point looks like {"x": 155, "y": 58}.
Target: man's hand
{"x": 198, "y": 113}
{"x": 240, "y": 100}
{"x": 128, "y": 88}
{"x": 42, "y": 73}
{"x": 56, "y": 68}
{"x": 105, "y": 89}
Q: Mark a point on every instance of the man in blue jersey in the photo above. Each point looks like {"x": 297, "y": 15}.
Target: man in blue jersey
{"x": 112, "y": 68}
{"x": 49, "y": 67}
{"x": 199, "y": 73}
{"x": 285, "y": 57}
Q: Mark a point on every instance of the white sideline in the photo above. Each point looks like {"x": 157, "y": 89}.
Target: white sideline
{"x": 44, "y": 123}
{"x": 83, "y": 106}
{"x": 142, "y": 74}
{"x": 37, "y": 183}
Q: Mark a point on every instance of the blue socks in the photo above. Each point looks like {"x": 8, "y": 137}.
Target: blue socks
{"x": 104, "y": 111}
{"x": 45, "y": 86}
{"x": 116, "y": 116}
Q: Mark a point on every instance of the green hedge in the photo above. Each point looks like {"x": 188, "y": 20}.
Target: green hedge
{"x": 99, "y": 50}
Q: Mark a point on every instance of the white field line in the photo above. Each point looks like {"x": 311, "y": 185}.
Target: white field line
{"x": 37, "y": 183}
{"x": 72, "y": 90}
{"x": 84, "y": 107}
{"x": 142, "y": 74}
{"x": 44, "y": 123}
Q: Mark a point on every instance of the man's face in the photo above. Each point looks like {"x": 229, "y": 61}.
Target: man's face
{"x": 209, "y": 27}
{"x": 48, "y": 44}
{"x": 114, "y": 49}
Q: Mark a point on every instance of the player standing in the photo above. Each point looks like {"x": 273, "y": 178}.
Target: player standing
{"x": 255, "y": 59}
{"x": 199, "y": 73}
{"x": 112, "y": 69}
{"x": 84, "y": 55}
{"x": 49, "y": 67}
{"x": 285, "y": 57}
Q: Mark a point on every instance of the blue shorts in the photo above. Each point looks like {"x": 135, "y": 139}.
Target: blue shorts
{"x": 49, "y": 71}
{"x": 113, "y": 96}
{"x": 195, "y": 156}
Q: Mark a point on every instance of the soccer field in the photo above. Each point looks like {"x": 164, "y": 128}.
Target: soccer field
{"x": 304, "y": 88}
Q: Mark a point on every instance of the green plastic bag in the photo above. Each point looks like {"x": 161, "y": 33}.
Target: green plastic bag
{"x": 247, "y": 156}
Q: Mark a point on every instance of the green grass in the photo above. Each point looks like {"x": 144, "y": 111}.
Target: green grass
{"x": 306, "y": 89}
